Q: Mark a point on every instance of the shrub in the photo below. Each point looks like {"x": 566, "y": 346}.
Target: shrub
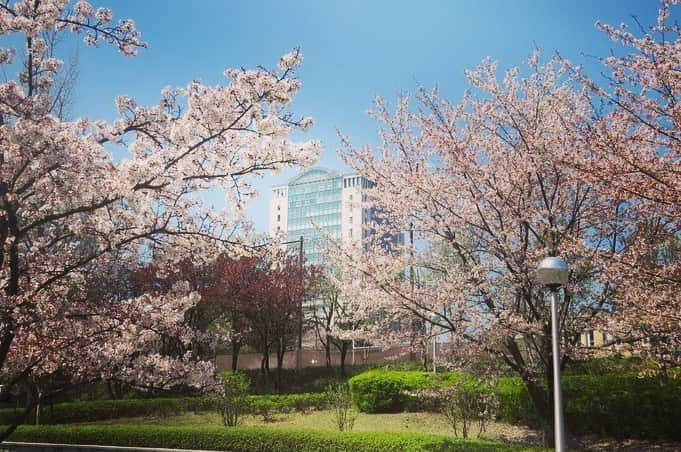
{"x": 250, "y": 439}
{"x": 515, "y": 404}
{"x": 619, "y": 405}
{"x": 340, "y": 402}
{"x": 623, "y": 405}
{"x": 234, "y": 401}
{"x": 388, "y": 391}
{"x": 288, "y": 402}
{"x": 467, "y": 402}
{"x": 98, "y": 410}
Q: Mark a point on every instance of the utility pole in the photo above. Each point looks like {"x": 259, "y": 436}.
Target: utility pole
{"x": 299, "y": 352}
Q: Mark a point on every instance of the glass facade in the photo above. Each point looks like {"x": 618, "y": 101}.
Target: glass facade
{"x": 314, "y": 210}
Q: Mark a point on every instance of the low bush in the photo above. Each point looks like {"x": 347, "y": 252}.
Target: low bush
{"x": 619, "y": 405}
{"x": 250, "y": 439}
{"x": 604, "y": 365}
{"x": 623, "y": 405}
{"x": 515, "y": 404}
{"x": 467, "y": 403}
{"x": 234, "y": 401}
{"x": 316, "y": 379}
{"x": 97, "y": 410}
{"x": 388, "y": 391}
{"x": 288, "y": 402}
{"x": 339, "y": 400}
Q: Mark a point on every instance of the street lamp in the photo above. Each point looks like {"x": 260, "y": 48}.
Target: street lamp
{"x": 553, "y": 273}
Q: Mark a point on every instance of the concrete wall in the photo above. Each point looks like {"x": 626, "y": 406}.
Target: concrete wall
{"x": 315, "y": 358}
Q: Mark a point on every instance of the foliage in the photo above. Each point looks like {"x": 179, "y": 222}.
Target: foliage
{"x": 250, "y": 439}
{"x": 336, "y": 318}
{"x": 515, "y": 403}
{"x": 84, "y": 198}
{"x": 477, "y": 182}
{"x": 606, "y": 365}
{"x": 634, "y": 156}
{"x": 86, "y": 411}
{"x": 537, "y": 162}
{"x": 234, "y": 401}
{"x": 314, "y": 379}
{"x": 619, "y": 405}
{"x": 465, "y": 402}
{"x": 339, "y": 400}
{"x": 387, "y": 391}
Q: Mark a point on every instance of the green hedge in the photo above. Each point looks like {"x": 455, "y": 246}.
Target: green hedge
{"x": 96, "y": 410}
{"x": 250, "y": 439}
{"x": 387, "y": 391}
{"x": 623, "y": 405}
{"x": 620, "y": 405}
{"x": 287, "y": 402}
{"x": 316, "y": 379}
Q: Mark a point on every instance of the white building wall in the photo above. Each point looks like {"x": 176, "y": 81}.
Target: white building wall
{"x": 353, "y": 216}
{"x": 278, "y": 211}
{"x": 351, "y": 209}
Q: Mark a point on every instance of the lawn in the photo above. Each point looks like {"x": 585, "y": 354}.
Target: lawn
{"x": 323, "y": 420}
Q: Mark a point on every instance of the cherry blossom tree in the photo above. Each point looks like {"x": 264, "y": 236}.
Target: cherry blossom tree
{"x": 484, "y": 188}
{"x": 67, "y": 205}
{"x": 634, "y": 157}
{"x": 336, "y": 319}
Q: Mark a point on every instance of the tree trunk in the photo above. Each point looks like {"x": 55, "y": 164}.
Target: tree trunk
{"x": 343, "y": 355}
{"x": 265, "y": 363}
{"x": 236, "y": 347}
{"x": 38, "y": 408}
{"x": 424, "y": 354}
{"x": 327, "y": 350}
{"x": 544, "y": 406}
{"x": 281, "y": 350}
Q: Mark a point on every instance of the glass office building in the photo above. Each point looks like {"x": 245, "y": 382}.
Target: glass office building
{"x": 314, "y": 210}
{"x": 318, "y": 204}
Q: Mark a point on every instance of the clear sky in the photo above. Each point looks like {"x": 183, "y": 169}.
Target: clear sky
{"x": 353, "y": 49}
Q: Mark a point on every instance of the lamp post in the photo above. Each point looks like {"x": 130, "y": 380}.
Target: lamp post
{"x": 553, "y": 273}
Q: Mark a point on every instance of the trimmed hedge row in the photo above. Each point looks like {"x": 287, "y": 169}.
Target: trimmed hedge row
{"x": 620, "y": 405}
{"x": 96, "y": 410}
{"x": 387, "y": 391}
{"x": 316, "y": 379}
{"x": 252, "y": 439}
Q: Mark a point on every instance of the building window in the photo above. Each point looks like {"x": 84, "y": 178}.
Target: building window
{"x": 350, "y": 233}
{"x": 350, "y": 197}
{"x": 590, "y": 339}
{"x": 278, "y": 207}
{"x": 350, "y": 220}
{"x": 278, "y": 217}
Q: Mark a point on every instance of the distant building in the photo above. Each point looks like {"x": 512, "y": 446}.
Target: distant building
{"x": 319, "y": 203}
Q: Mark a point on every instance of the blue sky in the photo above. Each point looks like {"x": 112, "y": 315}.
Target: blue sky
{"x": 354, "y": 50}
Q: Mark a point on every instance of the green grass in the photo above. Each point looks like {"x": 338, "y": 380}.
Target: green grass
{"x": 428, "y": 423}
